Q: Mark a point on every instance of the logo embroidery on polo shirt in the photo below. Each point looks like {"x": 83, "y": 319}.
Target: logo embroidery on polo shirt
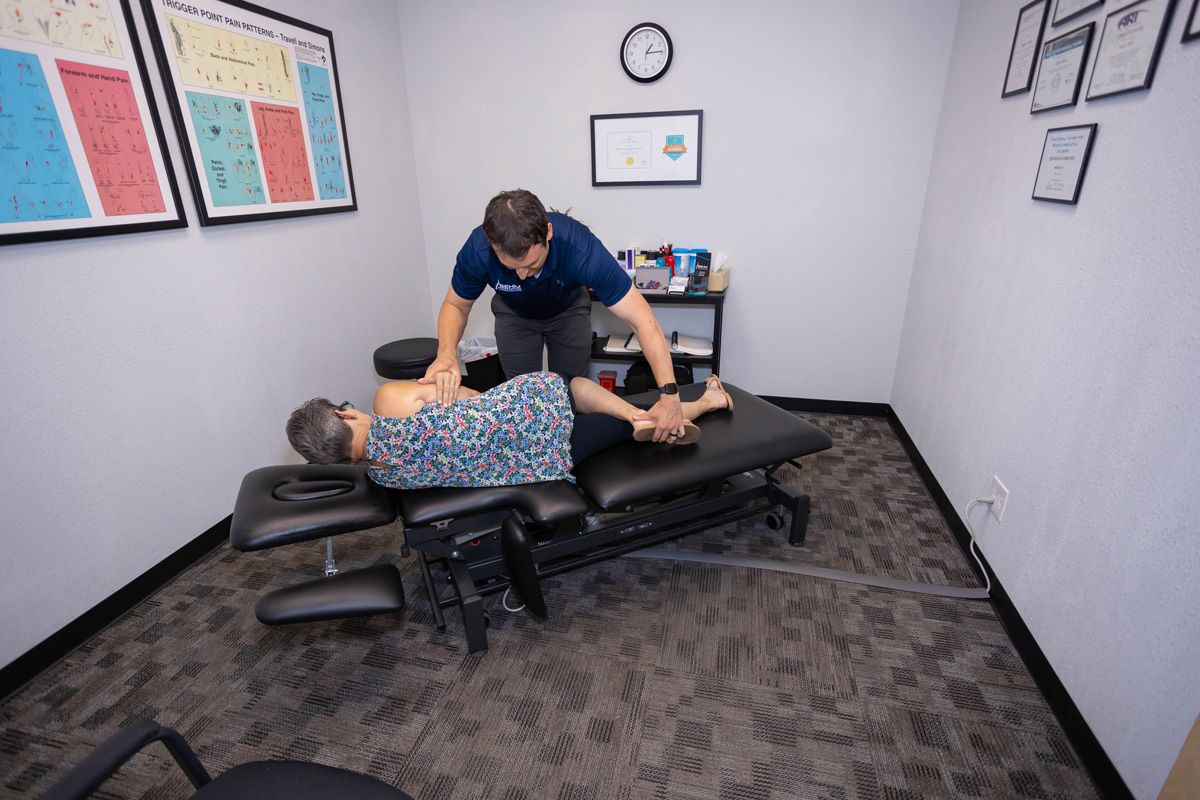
{"x": 507, "y": 287}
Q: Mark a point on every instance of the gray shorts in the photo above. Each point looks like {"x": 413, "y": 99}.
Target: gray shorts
{"x": 567, "y": 336}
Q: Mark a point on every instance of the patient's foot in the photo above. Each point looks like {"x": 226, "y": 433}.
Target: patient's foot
{"x": 643, "y": 431}
{"x": 715, "y": 394}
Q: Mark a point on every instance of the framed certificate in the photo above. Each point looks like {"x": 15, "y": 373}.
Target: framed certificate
{"x": 1065, "y": 155}
{"x": 1060, "y": 69}
{"x": 1067, "y": 10}
{"x": 660, "y": 148}
{"x": 258, "y": 106}
{"x": 82, "y": 152}
{"x": 1192, "y": 29}
{"x": 1130, "y": 42}
{"x": 1027, "y": 42}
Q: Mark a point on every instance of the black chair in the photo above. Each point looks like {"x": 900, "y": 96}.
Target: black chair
{"x": 258, "y": 780}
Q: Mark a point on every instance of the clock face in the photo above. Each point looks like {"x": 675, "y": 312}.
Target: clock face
{"x": 646, "y": 52}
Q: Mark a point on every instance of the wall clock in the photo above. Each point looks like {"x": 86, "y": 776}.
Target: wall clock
{"x": 646, "y": 52}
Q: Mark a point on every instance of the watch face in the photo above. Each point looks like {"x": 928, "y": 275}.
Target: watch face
{"x": 646, "y": 52}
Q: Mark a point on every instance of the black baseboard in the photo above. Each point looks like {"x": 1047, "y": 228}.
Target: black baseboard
{"x": 1104, "y": 774}
{"x": 112, "y": 608}
{"x": 829, "y": 406}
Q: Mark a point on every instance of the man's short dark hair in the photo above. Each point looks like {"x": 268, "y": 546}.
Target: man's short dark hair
{"x": 514, "y": 222}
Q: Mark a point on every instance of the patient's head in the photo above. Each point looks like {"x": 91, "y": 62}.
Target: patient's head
{"x": 317, "y": 432}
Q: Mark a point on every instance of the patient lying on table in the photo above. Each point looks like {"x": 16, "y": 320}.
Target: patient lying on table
{"x": 532, "y": 428}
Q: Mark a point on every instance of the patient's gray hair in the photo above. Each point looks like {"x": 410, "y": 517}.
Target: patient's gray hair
{"x": 318, "y": 434}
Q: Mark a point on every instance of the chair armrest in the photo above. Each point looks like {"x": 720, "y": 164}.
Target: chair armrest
{"x": 114, "y": 751}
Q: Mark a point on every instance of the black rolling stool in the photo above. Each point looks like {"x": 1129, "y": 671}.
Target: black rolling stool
{"x": 405, "y": 358}
{"x": 253, "y": 781}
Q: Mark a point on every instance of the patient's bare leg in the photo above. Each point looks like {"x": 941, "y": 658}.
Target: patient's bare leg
{"x": 592, "y": 398}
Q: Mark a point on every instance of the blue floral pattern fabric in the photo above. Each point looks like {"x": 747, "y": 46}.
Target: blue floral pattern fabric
{"x": 518, "y": 432}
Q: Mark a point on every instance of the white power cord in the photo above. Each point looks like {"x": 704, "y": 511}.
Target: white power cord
{"x": 987, "y": 580}
{"x": 504, "y": 602}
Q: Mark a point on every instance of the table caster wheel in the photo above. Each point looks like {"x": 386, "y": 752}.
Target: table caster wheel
{"x": 774, "y": 521}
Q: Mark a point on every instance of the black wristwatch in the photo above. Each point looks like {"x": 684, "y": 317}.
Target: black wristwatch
{"x": 669, "y": 388}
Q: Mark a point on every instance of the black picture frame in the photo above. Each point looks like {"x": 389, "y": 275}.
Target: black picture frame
{"x": 1087, "y": 46}
{"x": 692, "y": 177}
{"x": 1055, "y": 21}
{"x": 246, "y": 13}
{"x": 1037, "y": 48}
{"x": 1188, "y": 33}
{"x": 1087, "y": 157}
{"x": 1158, "y": 46}
{"x": 172, "y": 201}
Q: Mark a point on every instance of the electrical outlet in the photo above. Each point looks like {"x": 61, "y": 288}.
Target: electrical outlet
{"x": 1000, "y": 492}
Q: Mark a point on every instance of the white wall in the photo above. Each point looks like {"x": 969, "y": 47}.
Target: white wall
{"x": 144, "y": 375}
{"x": 818, "y": 128}
{"x": 1059, "y": 348}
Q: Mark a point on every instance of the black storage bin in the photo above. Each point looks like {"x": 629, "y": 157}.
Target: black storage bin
{"x": 640, "y": 379}
{"x": 483, "y": 374}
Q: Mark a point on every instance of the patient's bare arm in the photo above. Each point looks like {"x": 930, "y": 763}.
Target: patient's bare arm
{"x": 405, "y": 398}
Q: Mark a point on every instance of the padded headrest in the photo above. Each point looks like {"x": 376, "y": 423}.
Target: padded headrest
{"x": 405, "y": 358}
{"x": 297, "y": 502}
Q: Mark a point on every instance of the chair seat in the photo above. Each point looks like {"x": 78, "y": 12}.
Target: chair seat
{"x": 405, "y": 358}
{"x": 295, "y": 780}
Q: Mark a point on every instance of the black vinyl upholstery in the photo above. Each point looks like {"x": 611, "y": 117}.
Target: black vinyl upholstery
{"x": 295, "y": 780}
{"x": 755, "y": 434}
{"x": 259, "y": 780}
{"x": 405, "y": 358}
{"x": 544, "y": 503}
{"x": 271, "y": 508}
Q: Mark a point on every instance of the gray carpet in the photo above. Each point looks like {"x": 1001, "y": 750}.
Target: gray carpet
{"x": 652, "y": 679}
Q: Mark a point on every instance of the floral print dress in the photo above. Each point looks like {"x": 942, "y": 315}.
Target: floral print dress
{"x": 518, "y": 432}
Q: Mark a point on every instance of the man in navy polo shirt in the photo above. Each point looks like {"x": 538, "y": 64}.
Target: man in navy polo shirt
{"x": 540, "y": 266}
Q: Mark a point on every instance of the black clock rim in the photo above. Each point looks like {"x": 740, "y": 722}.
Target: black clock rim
{"x": 670, "y": 52}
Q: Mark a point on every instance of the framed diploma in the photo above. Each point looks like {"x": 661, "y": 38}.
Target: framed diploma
{"x": 1192, "y": 29}
{"x": 1130, "y": 42}
{"x": 1060, "y": 69}
{"x": 1065, "y": 155}
{"x": 1067, "y": 10}
{"x": 1027, "y": 42}
{"x": 82, "y": 151}
{"x": 258, "y": 107}
{"x": 660, "y": 148}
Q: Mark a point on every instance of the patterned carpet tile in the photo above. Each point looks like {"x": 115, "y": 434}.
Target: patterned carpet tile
{"x": 527, "y": 721}
{"x": 611, "y": 609}
{"x": 757, "y": 627}
{"x": 704, "y": 737}
{"x": 922, "y": 753}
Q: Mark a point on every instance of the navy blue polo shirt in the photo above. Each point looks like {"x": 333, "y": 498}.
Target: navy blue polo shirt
{"x": 576, "y": 258}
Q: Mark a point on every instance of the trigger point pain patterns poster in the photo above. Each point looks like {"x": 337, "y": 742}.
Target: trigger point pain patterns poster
{"x": 256, "y": 102}
{"x": 81, "y": 148}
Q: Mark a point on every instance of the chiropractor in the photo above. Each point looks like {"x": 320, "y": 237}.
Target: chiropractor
{"x": 539, "y": 265}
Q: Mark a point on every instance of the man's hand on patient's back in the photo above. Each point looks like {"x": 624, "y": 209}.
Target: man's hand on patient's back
{"x": 444, "y": 375}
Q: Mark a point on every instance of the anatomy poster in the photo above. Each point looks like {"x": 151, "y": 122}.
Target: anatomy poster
{"x": 226, "y": 150}
{"x": 118, "y": 152}
{"x": 257, "y": 105}
{"x": 81, "y": 149}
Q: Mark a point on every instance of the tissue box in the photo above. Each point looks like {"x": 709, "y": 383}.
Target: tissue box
{"x": 718, "y": 281}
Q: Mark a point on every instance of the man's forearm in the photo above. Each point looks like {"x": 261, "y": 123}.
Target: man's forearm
{"x": 654, "y": 348}
{"x": 452, "y": 321}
